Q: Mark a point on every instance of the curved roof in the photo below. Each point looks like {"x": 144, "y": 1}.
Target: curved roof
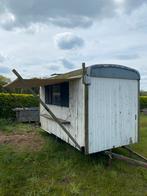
{"x": 98, "y": 70}
{"x": 113, "y": 71}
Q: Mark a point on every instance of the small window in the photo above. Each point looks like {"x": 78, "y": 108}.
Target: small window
{"x": 57, "y": 94}
{"x": 48, "y": 93}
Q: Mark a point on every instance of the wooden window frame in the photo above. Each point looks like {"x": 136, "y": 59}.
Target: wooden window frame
{"x": 51, "y": 95}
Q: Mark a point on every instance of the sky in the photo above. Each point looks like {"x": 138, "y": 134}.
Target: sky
{"x": 41, "y": 37}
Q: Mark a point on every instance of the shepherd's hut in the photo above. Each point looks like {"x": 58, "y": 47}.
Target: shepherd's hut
{"x": 95, "y": 108}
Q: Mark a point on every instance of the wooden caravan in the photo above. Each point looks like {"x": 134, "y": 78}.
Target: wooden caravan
{"x": 95, "y": 108}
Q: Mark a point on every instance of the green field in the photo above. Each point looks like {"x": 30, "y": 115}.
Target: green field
{"x": 34, "y": 163}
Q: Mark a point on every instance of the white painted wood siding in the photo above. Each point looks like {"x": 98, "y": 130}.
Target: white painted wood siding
{"x": 74, "y": 114}
{"x": 113, "y": 104}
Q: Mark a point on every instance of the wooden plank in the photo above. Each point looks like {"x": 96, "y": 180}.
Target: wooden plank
{"x": 48, "y": 110}
{"x": 86, "y": 121}
{"x": 127, "y": 159}
{"x": 86, "y": 109}
{"x": 61, "y": 120}
{"x": 133, "y": 152}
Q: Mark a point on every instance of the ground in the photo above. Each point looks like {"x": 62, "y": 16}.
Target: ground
{"x": 34, "y": 163}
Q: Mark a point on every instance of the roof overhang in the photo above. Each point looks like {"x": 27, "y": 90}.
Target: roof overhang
{"x": 37, "y": 82}
{"x": 98, "y": 70}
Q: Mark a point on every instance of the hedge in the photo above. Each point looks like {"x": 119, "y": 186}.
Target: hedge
{"x": 143, "y": 102}
{"x": 8, "y": 102}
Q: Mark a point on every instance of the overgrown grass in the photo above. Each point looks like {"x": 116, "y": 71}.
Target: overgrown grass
{"x": 59, "y": 169}
{"x": 9, "y": 126}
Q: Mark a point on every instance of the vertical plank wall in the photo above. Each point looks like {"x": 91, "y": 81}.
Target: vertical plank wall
{"x": 113, "y": 113}
{"x": 73, "y": 113}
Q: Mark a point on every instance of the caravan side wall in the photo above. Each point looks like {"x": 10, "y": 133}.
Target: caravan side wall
{"x": 113, "y": 113}
{"x": 73, "y": 114}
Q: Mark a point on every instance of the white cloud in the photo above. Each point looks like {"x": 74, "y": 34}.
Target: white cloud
{"x": 53, "y": 68}
{"x": 4, "y": 69}
{"x": 127, "y": 56}
{"x": 75, "y": 21}
{"x": 7, "y": 20}
{"x": 78, "y": 12}
{"x": 2, "y": 58}
{"x": 68, "y": 40}
{"x": 108, "y": 31}
{"x": 67, "y": 64}
{"x": 63, "y": 13}
{"x": 133, "y": 4}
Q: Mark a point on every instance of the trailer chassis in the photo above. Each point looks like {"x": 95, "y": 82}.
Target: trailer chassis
{"x": 111, "y": 155}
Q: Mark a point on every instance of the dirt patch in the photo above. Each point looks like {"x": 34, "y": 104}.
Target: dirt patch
{"x": 29, "y": 141}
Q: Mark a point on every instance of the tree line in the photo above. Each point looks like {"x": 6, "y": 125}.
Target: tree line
{"x": 5, "y": 80}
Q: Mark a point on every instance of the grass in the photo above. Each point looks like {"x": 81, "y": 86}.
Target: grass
{"x": 57, "y": 168}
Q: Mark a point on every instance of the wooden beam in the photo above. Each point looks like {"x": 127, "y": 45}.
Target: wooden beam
{"x": 127, "y": 159}
{"x": 135, "y": 153}
{"x": 50, "y": 118}
{"x": 85, "y": 109}
{"x": 48, "y": 110}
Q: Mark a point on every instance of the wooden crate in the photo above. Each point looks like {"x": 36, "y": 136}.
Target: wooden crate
{"x": 27, "y": 114}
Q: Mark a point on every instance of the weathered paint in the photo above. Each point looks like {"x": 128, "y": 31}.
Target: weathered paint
{"x": 113, "y": 113}
{"x": 103, "y": 113}
{"x": 74, "y": 114}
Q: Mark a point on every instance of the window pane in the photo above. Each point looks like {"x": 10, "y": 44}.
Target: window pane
{"x": 65, "y": 94}
{"x": 56, "y": 95}
{"x": 48, "y": 94}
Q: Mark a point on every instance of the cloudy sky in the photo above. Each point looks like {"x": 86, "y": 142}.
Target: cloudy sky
{"x": 41, "y": 37}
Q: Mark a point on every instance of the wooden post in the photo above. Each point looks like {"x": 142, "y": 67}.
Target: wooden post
{"x": 48, "y": 110}
{"x": 83, "y": 72}
{"x": 86, "y": 108}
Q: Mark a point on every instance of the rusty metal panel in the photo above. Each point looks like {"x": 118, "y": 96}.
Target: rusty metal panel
{"x": 113, "y": 113}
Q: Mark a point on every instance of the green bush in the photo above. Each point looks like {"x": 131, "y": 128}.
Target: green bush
{"x": 8, "y": 102}
{"x": 143, "y": 102}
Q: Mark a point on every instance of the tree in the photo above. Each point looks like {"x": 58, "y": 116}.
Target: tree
{"x": 143, "y": 93}
{"x": 3, "y": 80}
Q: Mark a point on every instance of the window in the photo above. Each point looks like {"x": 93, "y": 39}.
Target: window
{"x": 57, "y": 94}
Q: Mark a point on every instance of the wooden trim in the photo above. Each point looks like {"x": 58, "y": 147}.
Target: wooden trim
{"x": 86, "y": 120}
{"x": 50, "y": 118}
{"x": 138, "y": 111}
{"x": 85, "y": 109}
